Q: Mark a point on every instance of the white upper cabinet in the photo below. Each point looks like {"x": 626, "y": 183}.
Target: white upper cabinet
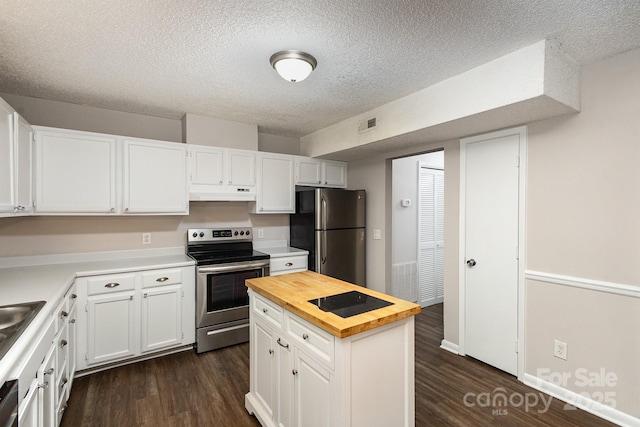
{"x": 308, "y": 171}
{"x": 84, "y": 173}
{"x": 221, "y": 174}
{"x": 334, "y": 174}
{"x": 75, "y": 172}
{"x": 320, "y": 173}
{"x": 276, "y": 186}
{"x": 6, "y": 158}
{"x": 154, "y": 177}
{"x": 23, "y": 137}
{"x": 15, "y": 162}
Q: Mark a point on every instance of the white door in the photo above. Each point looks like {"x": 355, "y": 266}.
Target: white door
{"x": 161, "y": 317}
{"x": 430, "y": 236}
{"x": 490, "y": 191}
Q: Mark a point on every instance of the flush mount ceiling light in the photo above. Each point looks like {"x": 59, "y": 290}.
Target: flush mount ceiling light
{"x": 293, "y": 65}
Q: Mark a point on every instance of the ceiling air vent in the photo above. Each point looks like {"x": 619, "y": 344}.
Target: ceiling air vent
{"x": 367, "y": 125}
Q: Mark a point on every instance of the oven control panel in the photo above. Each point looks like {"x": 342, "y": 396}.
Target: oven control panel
{"x": 218, "y": 234}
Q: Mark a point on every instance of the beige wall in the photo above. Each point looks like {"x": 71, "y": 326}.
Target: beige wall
{"x": 583, "y": 220}
{"x": 66, "y": 234}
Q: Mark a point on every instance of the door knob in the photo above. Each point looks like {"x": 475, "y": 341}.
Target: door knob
{"x": 471, "y": 262}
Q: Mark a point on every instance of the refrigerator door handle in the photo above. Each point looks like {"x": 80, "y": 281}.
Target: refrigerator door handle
{"x": 324, "y": 213}
{"x": 324, "y": 247}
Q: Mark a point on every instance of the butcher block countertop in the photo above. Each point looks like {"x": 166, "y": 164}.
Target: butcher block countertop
{"x": 293, "y": 291}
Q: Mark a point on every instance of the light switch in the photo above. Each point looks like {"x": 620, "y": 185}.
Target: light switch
{"x": 405, "y": 203}
{"x": 377, "y": 234}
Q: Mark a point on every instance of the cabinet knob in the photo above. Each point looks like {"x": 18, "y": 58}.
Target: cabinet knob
{"x": 63, "y": 314}
{"x": 113, "y": 209}
{"x": 294, "y": 371}
{"x": 44, "y": 384}
{"x": 48, "y": 371}
{"x": 72, "y": 320}
{"x": 305, "y": 336}
{"x": 74, "y": 296}
{"x": 270, "y": 351}
{"x": 63, "y": 343}
{"x": 264, "y": 310}
{"x": 220, "y": 183}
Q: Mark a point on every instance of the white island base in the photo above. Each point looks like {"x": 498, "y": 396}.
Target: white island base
{"x": 304, "y": 376}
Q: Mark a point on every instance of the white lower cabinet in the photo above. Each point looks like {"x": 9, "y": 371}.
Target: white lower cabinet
{"x": 132, "y": 314}
{"x": 302, "y": 376}
{"x": 47, "y": 371}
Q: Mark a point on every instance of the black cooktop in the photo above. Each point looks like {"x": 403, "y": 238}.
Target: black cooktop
{"x": 207, "y": 254}
{"x": 349, "y": 303}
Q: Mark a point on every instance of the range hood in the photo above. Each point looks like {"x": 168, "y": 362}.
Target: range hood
{"x": 224, "y": 194}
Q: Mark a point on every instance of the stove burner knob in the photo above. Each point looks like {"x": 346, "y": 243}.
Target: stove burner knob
{"x": 202, "y": 234}
{"x": 242, "y": 233}
{"x": 248, "y": 232}
{"x": 235, "y": 233}
{"x": 195, "y": 234}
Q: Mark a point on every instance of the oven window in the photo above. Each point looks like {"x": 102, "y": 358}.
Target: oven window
{"x": 227, "y": 290}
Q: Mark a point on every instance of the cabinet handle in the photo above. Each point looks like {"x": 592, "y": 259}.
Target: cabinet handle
{"x": 220, "y": 182}
{"x": 264, "y": 310}
{"x": 63, "y": 314}
{"x": 63, "y": 343}
{"x": 145, "y": 295}
{"x": 294, "y": 371}
{"x": 72, "y": 320}
{"x": 48, "y": 371}
{"x": 282, "y": 345}
{"x": 162, "y": 279}
{"x": 74, "y": 296}
{"x": 111, "y": 285}
{"x": 289, "y": 264}
{"x": 44, "y": 384}
{"x": 113, "y": 209}
{"x": 305, "y": 336}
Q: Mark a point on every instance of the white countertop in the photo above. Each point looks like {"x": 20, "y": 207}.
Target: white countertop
{"x": 26, "y": 282}
{"x": 282, "y": 251}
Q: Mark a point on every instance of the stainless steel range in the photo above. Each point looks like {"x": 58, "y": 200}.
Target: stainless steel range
{"x": 225, "y": 259}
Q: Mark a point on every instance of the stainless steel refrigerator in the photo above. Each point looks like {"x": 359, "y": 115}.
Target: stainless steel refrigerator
{"x": 330, "y": 224}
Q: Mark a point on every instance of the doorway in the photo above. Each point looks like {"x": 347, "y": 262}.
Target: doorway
{"x": 417, "y": 243}
{"x": 492, "y": 245}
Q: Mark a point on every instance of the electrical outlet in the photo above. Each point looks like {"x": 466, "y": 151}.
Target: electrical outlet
{"x": 260, "y": 233}
{"x": 377, "y": 234}
{"x": 146, "y": 238}
{"x": 560, "y": 350}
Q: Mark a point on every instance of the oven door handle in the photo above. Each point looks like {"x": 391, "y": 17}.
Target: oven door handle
{"x": 232, "y": 267}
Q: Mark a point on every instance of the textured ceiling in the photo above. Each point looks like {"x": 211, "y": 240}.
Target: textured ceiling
{"x": 210, "y": 57}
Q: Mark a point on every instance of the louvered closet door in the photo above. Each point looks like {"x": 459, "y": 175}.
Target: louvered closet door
{"x": 430, "y": 236}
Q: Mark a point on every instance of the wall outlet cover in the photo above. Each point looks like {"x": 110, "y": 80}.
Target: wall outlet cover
{"x": 560, "y": 349}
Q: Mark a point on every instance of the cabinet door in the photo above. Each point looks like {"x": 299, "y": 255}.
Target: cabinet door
{"x": 276, "y": 187}
{"x": 71, "y": 348}
{"x": 23, "y": 138}
{"x": 312, "y": 395}
{"x": 161, "y": 317}
{"x": 110, "y": 327}
{"x": 334, "y": 173}
{"x": 155, "y": 177}
{"x": 206, "y": 165}
{"x": 241, "y": 167}
{"x": 28, "y": 415}
{"x": 263, "y": 362}
{"x": 47, "y": 390}
{"x": 6, "y": 158}
{"x": 75, "y": 172}
{"x": 308, "y": 171}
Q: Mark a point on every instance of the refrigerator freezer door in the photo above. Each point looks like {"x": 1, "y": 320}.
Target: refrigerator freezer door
{"x": 336, "y": 209}
{"x": 341, "y": 254}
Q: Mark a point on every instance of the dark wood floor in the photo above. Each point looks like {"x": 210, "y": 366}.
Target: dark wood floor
{"x": 187, "y": 389}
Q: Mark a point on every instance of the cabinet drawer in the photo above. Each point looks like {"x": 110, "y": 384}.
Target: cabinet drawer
{"x": 267, "y": 310}
{"x": 113, "y": 283}
{"x": 285, "y": 264}
{"x": 62, "y": 345}
{"x": 311, "y": 338}
{"x": 161, "y": 277}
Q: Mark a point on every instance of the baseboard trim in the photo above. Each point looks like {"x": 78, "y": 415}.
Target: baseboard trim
{"x": 579, "y": 282}
{"x": 449, "y": 346}
{"x": 574, "y": 399}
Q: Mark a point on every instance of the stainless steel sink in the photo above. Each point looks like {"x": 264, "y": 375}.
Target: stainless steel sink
{"x": 14, "y": 319}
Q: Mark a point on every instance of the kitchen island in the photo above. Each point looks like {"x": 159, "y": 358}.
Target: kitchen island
{"x": 311, "y": 367}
